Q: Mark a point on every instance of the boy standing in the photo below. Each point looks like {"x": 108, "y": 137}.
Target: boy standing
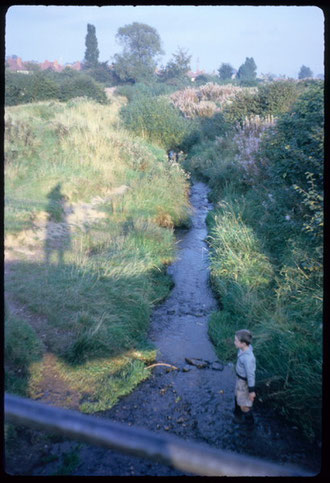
{"x": 245, "y": 376}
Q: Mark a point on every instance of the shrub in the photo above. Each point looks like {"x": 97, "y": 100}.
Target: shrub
{"x": 294, "y": 151}
{"x": 40, "y": 86}
{"x": 155, "y": 119}
{"x": 80, "y": 87}
{"x": 277, "y": 97}
{"x": 244, "y": 105}
{"x": 23, "y": 88}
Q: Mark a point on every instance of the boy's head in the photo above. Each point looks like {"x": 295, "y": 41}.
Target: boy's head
{"x": 244, "y": 337}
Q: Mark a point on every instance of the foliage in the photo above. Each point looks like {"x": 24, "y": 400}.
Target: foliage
{"x": 101, "y": 73}
{"x": 275, "y": 98}
{"x": 96, "y": 304}
{"x": 155, "y": 119}
{"x": 305, "y": 72}
{"x": 266, "y": 245}
{"x": 176, "y": 67}
{"x": 22, "y": 88}
{"x": 82, "y": 86}
{"x": 40, "y": 86}
{"x": 247, "y": 72}
{"x": 244, "y": 105}
{"x": 268, "y": 99}
{"x": 226, "y": 71}
{"x": 141, "y": 45}
{"x": 131, "y": 92}
{"x": 91, "y": 58}
{"x": 294, "y": 146}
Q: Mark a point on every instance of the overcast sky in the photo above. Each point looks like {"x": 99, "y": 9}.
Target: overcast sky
{"x": 280, "y": 39}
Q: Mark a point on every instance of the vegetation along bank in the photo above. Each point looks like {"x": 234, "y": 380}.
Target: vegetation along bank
{"x": 91, "y": 203}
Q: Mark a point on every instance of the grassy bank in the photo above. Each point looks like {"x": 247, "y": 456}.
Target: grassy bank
{"x": 265, "y": 235}
{"x": 89, "y": 217}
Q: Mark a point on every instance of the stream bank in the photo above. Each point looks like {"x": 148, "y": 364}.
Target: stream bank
{"x": 194, "y": 401}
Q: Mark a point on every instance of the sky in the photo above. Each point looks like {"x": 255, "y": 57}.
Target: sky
{"x": 279, "y": 38}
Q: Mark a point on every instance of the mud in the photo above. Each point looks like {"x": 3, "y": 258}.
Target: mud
{"x": 193, "y": 403}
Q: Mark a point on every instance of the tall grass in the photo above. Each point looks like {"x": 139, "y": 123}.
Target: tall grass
{"x": 95, "y": 302}
{"x": 266, "y": 267}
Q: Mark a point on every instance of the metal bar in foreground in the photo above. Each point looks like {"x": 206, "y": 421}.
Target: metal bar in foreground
{"x": 187, "y": 457}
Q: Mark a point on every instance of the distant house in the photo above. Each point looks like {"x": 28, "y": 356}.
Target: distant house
{"x": 55, "y": 66}
{"x": 193, "y": 75}
{"x": 15, "y": 64}
{"x": 75, "y": 66}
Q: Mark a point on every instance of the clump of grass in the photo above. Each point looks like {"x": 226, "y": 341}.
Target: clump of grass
{"x": 22, "y": 345}
{"x": 22, "y": 348}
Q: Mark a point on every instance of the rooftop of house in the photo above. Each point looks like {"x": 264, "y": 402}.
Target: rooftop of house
{"x": 15, "y": 63}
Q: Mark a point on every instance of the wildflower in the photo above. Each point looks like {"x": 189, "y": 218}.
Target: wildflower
{"x": 287, "y": 217}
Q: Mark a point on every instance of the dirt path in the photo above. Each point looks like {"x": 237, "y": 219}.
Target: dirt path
{"x": 193, "y": 403}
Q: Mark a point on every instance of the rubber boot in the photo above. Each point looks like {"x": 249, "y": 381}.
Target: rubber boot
{"x": 248, "y": 418}
{"x": 237, "y": 409}
{"x": 238, "y": 413}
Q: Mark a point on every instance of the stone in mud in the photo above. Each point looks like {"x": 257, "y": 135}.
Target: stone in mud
{"x": 217, "y": 366}
{"x": 199, "y": 363}
{"x": 187, "y": 368}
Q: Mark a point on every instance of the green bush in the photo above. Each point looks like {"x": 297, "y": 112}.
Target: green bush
{"x": 155, "y": 119}
{"x": 294, "y": 152}
{"x": 277, "y": 97}
{"x": 244, "y": 105}
{"x": 40, "y": 86}
{"x": 82, "y": 86}
{"x": 25, "y": 88}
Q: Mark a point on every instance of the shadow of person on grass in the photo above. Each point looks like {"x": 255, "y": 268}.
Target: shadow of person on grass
{"x": 58, "y": 235}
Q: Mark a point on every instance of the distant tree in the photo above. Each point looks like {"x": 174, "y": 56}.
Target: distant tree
{"x": 141, "y": 45}
{"x": 305, "y": 72}
{"x": 248, "y": 70}
{"x": 225, "y": 71}
{"x": 32, "y": 66}
{"x": 91, "y": 59}
{"x": 178, "y": 65}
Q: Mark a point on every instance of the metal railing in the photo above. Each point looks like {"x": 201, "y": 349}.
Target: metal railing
{"x": 187, "y": 457}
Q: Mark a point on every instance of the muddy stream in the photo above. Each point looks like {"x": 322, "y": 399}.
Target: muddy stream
{"x": 196, "y": 401}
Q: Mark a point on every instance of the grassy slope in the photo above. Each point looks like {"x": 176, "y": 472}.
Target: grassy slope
{"x": 85, "y": 318}
{"x": 258, "y": 255}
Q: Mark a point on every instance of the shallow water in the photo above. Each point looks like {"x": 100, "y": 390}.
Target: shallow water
{"x": 193, "y": 403}
{"x": 180, "y": 326}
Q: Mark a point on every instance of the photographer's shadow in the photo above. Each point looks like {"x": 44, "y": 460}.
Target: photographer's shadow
{"x": 58, "y": 234}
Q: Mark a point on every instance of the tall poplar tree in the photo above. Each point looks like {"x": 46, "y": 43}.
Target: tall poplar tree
{"x": 91, "y": 59}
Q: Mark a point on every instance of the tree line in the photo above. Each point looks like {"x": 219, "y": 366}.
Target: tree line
{"x": 141, "y": 50}
{"x": 137, "y": 64}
